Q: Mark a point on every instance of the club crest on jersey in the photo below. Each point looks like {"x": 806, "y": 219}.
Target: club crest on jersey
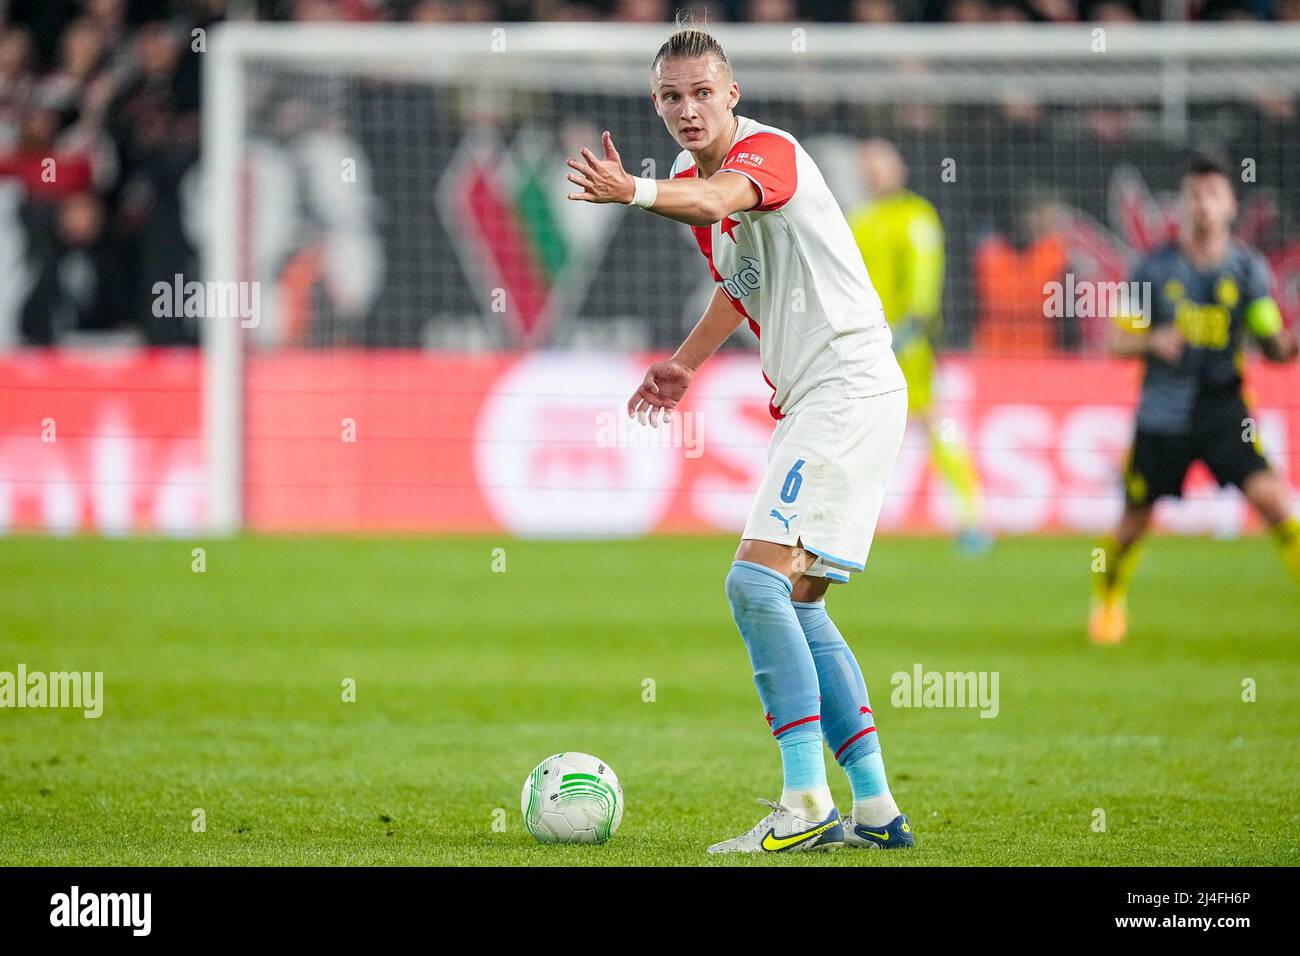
{"x": 742, "y": 283}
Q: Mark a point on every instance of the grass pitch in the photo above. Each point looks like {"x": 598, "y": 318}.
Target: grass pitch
{"x": 224, "y": 694}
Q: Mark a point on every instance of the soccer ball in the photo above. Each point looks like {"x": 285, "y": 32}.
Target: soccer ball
{"x": 572, "y": 798}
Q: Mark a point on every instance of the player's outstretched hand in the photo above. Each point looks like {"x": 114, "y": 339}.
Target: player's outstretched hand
{"x": 602, "y": 180}
{"x": 665, "y": 384}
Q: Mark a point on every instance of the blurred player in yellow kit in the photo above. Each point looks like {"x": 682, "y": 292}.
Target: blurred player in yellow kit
{"x": 901, "y": 240}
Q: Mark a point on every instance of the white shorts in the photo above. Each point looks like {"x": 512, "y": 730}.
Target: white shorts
{"x": 828, "y": 464}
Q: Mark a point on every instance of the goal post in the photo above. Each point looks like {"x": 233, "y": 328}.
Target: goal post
{"x": 223, "y": 393}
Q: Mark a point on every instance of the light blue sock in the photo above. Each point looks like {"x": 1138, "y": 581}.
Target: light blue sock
{"x": 866, "y": 773}
{"x": 784, "y": 672}
{"x": 847, "y": 720}
{"x": 802, "y": 762}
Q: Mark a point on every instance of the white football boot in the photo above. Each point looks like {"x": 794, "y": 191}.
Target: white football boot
{"x": 783, "y": 831}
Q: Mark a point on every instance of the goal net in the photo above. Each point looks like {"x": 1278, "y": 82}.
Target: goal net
{"x": 432, "y": 312}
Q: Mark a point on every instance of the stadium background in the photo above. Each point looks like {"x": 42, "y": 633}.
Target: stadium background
{"x": 441, "y": 337}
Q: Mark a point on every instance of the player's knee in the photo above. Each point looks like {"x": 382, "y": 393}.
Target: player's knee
{"x": 809, "y": 590}
{"x": 1133, "y": 523}
{"x": 1268, "y": 494}
{"x": 823, "y": 638}
{"x": 752, "y": 589}
{"x": 826, "y": 640}
{"x": 741, "y": 594}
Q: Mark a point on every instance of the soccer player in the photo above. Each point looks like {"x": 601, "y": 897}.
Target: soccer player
{"x": 901, "y": 240}
{"x": 783, "y": 259}
{"x": 1207, "y": 290}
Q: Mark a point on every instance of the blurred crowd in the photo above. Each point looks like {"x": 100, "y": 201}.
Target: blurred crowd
{"x": 99, "y": 125}
{"x": 782, "y": 11}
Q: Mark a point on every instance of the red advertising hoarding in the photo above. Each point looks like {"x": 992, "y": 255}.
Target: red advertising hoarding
{"x": 536, "y": 443}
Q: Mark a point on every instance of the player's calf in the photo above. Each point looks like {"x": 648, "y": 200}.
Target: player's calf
{"x": 850, "y": 727}
{"x": 1268, "y": 494}
{"x": 786, "y": 679}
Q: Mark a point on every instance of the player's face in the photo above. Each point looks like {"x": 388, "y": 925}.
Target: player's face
{"x": 695, "y": 99}
{"x": 882, "y": 168}
{"x": 1208, "y": 202}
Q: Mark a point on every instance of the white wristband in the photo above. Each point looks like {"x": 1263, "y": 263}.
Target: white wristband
{"x": 646, "y": 192}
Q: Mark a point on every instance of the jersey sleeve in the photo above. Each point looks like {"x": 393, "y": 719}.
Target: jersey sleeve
{"x": 768, "y": 161}
{"x": 924, "y": 249}
{"x": 1130, "y": 316}
{"x": 683, "y": 165}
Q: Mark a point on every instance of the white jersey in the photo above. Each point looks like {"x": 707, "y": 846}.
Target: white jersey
{"x": 791, "y": 267}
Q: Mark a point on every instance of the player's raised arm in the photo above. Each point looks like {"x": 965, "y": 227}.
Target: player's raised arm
{"x": 702, "y": 202}
{"x": 696, "y": 202}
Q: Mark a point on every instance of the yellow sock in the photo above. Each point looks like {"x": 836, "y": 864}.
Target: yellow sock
{"x": 1287, "y": 537}
{"x": 955, "y": 464}
{"x": 1110, "y": 581}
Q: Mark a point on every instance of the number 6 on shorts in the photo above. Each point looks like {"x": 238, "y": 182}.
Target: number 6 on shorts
{"x": 790, "y": 489}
